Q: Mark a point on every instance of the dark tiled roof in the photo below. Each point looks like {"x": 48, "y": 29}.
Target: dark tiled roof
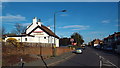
{"x": 110, "y": 36}
{"x": 98, "y": 41}
{"x": 49, "y": 31}
{"x": 45, "y": 29}
{"x": 117, "y": 34}
{"x": 21, "y": 36}
{"x": 106, "y": 38}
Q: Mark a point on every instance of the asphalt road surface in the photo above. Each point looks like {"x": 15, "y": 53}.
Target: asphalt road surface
{"x": 91, "y": 58}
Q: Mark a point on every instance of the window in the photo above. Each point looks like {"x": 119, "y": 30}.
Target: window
{"x": 25, "y": 39}
{"x": 44, "y": 37}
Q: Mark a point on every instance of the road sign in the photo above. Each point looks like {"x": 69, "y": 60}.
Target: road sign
{"x": 71, "y": 39}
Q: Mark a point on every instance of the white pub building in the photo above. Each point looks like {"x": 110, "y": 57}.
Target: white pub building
{"x": 37, "y": 33}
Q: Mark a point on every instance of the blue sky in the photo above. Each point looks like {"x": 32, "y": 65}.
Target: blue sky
{"x": 60, "y": 0}
{"x": 90, "y": 19}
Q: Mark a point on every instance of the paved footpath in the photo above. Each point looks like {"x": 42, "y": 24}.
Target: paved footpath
{"x": 49, "y": 62}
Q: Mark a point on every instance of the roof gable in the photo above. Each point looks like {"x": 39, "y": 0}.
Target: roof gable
{"x": 45, "y": 29}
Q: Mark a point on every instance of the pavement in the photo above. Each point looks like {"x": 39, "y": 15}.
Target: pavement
{"x": 48, "y": 62}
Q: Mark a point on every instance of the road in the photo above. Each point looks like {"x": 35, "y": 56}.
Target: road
{"x": 91, "y": 58}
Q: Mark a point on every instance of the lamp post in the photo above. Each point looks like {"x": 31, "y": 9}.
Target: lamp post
{"x": 54, "y": 49}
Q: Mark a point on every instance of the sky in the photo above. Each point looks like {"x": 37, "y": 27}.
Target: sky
{"x": 90, "y": 19}
{"x": 60, "y": 0}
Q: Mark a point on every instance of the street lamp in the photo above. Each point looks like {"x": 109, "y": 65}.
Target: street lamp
{"x": 55, "y": 29}
{"x": 55, "y": 19}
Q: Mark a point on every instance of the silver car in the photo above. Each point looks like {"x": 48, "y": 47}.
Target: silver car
{"x": 78, "y": 51}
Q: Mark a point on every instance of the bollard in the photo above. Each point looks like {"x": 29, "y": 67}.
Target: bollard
{"x": 100, "y": 61}
{"x": 21, "y": 59}
{"x": 22, "y": 64}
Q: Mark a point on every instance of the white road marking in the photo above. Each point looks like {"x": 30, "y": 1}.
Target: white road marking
{"x": 106, "y": 60}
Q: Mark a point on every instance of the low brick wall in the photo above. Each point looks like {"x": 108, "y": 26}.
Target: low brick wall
{"x": 62, "y": 50}
{"x": 45, "y": 51}
{"x": 31, "y": 44}
{"x": 12, "y": 55}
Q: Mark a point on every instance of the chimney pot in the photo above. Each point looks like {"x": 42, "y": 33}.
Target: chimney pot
{"x": 39, "y": 20}
{"x": 34, "y": 20}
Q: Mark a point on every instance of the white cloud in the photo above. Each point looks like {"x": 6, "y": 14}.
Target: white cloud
{"x": 106, "y": 21}
{"x": 23, "y": 24}
{"x": 117, "y": 25}
{"x": 12, "y": 18}
{"x": 76, "y": 27}
{"x": 80, "y": 29}
{"x": 26, "y": 24}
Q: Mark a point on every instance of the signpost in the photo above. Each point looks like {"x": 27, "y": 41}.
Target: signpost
{"x": 72, "y": 40}
{"x": 100, "y": 61}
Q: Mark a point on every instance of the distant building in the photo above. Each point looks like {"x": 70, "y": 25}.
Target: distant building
{"x": 37, "y": 33}
{"x": 64, "y": 41}
{"x": 97, "y": 42}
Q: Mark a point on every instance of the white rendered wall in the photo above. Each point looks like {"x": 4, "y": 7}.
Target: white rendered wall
{"x": 31, "y": 28}
{"x": 57, "y": 42}
{"x": 43, "y": 34}
{"x": 48, "y": 39}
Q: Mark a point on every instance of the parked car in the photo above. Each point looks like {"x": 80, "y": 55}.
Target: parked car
{"x": 107, "y": 48}
{"x": 83, "y": 47}
{"x": 98, "y": 47}
{"x": 118, "y": 49}
{"x": 78, "y": 51}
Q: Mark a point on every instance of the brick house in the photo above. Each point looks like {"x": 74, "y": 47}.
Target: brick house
{"x": 113, "y": 40}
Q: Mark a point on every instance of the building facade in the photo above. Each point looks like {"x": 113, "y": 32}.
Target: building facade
{"x": 37, "y": 33}
{"x": 97, "y": 42}
{"x": 113, "y": 41}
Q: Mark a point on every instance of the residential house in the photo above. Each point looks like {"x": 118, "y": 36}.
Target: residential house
{"x": 37, "y": 33}
{"x": 97, "y": 42}
{"x": 113, "y": 40}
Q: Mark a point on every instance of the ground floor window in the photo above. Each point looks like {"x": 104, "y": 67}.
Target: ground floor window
{"x": 19, "y": 39}
{"x": 44, "y": 37}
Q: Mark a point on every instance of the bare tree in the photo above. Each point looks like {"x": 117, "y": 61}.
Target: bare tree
{"x": 3, "y": 30}
{"x": 19, "y": 28}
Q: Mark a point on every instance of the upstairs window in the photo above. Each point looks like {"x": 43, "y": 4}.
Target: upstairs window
{"x": 25, "y": 39}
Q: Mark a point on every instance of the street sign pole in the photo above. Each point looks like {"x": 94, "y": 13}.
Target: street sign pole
{"x": 100, "y": 61}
